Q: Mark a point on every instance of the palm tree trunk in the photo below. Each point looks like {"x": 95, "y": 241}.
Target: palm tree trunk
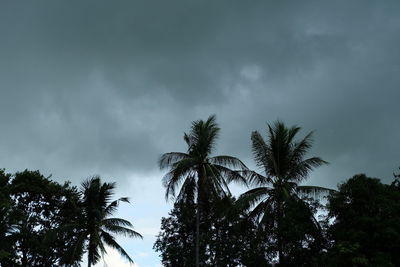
{"x": 279, "y": 236}
{"x": 24, "y": 258}
{"x": 89, "y": 262}
{"x": 200, "y": 172}
{"x": 89, "y": 256}
{"x": 197, "y": 232}
{"x": 280, "y": 249}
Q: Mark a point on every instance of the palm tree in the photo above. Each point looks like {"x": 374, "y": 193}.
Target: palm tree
{"x": 198, "y": 173}
{"x": 284, "y": 163}
{"x": 97, "y": 228}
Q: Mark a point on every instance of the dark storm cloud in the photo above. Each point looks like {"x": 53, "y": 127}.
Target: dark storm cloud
{"x": 100, "y": 86}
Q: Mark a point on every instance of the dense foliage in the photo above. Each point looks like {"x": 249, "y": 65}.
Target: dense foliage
{"x": 228, "y": 239}
{"x": 364, "y": 230}
{"x": 366, "y": 227}
{"x": 44, "y": 223}
{"x": 37, "y": 207}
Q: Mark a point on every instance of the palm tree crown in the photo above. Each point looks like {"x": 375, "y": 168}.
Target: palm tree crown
{"x": 97, "y": 226}
{"x": 210, "y": 174}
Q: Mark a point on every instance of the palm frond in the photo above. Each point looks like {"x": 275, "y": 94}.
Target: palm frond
{"x": 228, "y": 161}
{"x": 292, "y": 133}
{"x": 120, "y": 230}
{"x": 206, "y": 187}
{"x": 91, "y": 182}
{"x": 230, "y": 175}
{"x": 168, "y": 159}
{"x": 265, "y": 213}
{"x": 177, "y": 174}
{"x": 110, "y": 241}
{"x": 260, "y": 211}
{"x": 112, "y": 207}
{"x": 106, "y": 192}
{"x": 259, "y": 148}
{"x": 301, "y": 170}
{"x": 300, "y": 148}
{"x": 117, "y": 222}
{"x": 250, "y": 198}
{"x": 219, "y": 184}
{"x": 172, "y": 182}
{"x": 211, "y": 131}
{"x": 188, "y": 190}
{"x": 93, "y": 248}
{"x": 256, "y": 179}
{"x": 277, "y": 149}
{"x": 202, "y": 137}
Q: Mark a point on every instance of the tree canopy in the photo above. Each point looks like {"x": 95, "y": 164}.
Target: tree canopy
{"x": 47, "y": 223}
{"x": 44, "y": 223}
{"x": 366, "y": 227}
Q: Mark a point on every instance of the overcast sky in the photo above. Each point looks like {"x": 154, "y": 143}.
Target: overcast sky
{"x": 105, "y": 87}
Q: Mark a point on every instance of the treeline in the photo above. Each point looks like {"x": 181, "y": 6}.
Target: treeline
{"x": 44, "y": 223}
{"x": 274, "y": 223}
{"x": 365, "y": 232}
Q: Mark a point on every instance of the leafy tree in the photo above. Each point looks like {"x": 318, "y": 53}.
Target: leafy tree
{"x": 234, "y": 240}
{"x": 43, "y": 223}
{"x": 8, "y": 221}
{"x": 35, "y": 210}
{"x": 200, "y": 174}
{"x": 230, "y": 240}
{"x": 366, "y": 228}
{"x": 176, "y": 241}
{"x": 96, "y": 228}
{"x": 276, "y": 201}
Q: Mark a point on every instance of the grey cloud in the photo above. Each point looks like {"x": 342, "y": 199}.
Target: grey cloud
{"x": 97, "y": 86}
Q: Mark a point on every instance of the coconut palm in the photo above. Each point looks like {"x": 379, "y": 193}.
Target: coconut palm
{"x": 285, "y": 166}
{"x": 97, "y": 227}
{"x": 197, "y": 173}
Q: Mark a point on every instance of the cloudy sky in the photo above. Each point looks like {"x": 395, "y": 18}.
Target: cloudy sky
{"x": 105, "y": 87}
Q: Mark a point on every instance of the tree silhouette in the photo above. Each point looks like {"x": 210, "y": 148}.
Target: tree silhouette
{"x": 96, "y": 228}
{"x": 277, "y": 192}
{"x": 35, "y": 208}
{"x": 365, "y": 229}
{"x": 8, "y": 221}
{"x": 230, "y": 241}
{"x": 198, "y": 172}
